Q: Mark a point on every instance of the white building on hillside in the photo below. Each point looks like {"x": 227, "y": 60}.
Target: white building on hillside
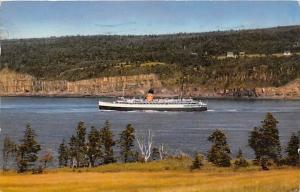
{"x": 287, "y": 53}
{"x": 230, "y": 55}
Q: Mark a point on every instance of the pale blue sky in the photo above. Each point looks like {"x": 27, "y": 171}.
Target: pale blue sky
{"x": 44, "y": 19}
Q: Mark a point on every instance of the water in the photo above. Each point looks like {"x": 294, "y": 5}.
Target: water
{"x": 55, "y": 119}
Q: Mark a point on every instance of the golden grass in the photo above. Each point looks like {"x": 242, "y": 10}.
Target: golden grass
{"x": 163, "y": 176}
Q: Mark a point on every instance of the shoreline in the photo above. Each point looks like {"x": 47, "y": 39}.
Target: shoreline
{"x": 112, "y": 95}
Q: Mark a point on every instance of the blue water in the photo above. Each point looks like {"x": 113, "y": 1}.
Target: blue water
{"x": 55, "y": 119}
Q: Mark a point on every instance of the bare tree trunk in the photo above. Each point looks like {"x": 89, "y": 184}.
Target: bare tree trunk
{"x": 145, "y": 146}
{"x": 74, "y": 163}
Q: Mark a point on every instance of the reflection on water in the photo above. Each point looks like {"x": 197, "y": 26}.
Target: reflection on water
{"x": 55, "y": 119}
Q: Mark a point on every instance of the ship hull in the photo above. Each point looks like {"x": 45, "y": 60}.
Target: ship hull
{"x": 149, "y": 107}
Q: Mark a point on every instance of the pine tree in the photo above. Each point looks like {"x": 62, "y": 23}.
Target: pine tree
{"x": 8, "y": 151}
{"x": 292, "y": 150}
{"x": 81, "y": 134}
{"x": 264, "y": 140}
{"x": 126, "y": 143}
{"x": 106, "y": 136}
{"x": 73, "y": 151}
{"x": 93, "y": 146}
{"x": 198, "y": 162}
{"x": 219, "y": 154}
{"x": 155, "y": 155}
{"x": 63, "y": 154}
{"x": 240, "y": 160}
{"x": 78, "y": 145}
{"x": 27, "y": 150}
{"x": 256, "y": 143}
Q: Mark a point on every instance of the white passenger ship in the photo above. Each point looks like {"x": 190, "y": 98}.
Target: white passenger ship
{"x": 123, "y": 104}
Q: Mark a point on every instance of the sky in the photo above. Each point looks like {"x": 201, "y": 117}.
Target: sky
{"x": 54, "y": 18}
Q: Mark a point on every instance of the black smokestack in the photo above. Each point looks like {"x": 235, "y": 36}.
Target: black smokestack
{"x": 151, "y": 91}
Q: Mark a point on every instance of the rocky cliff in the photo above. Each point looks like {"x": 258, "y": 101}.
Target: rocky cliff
{"x": 13, "y": 83}
{"x": 290, "y": 90}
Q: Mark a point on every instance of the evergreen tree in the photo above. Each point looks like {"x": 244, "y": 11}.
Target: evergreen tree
{"x": 78, "y": 146}
{"x": 256, "y": 143}
{"x": 292, "y": 150}
{"x": 240, "y": 160}
{"x": 155, "y": 155}
{"x": 126, "y": 143}
{"x": 198, "y": 162}
{"x": 8, "y": 151}
{"x": 73, "y": 151}
{"x": 264, "y": 140}
{"x": 27, "y": 150}
{"x": 93, "y": 146}
{"x": 63, "y": 154}
{"x": 219, "y": 154}
{"x": 106, "y": 136}
{"x": 80, "y": 135}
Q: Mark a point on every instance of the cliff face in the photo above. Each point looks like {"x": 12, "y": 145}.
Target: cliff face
{"x": 12, "y": 83}
{"x": 290, "y": 90}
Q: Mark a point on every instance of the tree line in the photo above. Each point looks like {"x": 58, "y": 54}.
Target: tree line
{"x": 99, "y": 147}
{"x": 83, "y": 57}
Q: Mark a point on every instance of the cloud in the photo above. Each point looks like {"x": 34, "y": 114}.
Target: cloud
{"x": 299, "y": 3}
{"x": 115, "y": 25}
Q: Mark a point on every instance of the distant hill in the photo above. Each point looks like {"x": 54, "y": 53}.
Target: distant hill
{"x": 171, "y": 56}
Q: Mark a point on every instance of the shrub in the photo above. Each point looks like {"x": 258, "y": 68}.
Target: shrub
{"x": 240, "y": 160}
{"x": 198, "y": 162}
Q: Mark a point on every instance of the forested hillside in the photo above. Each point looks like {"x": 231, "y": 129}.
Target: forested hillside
{"x": 168, "y": 56}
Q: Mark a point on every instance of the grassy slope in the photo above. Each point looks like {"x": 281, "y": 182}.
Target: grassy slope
{"x": 164, "y": 176}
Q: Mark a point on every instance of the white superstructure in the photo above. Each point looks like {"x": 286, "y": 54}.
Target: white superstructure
{"x": 155, "y": 104}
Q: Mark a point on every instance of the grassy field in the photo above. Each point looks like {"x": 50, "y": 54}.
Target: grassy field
{"x": 163, "y": 176}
